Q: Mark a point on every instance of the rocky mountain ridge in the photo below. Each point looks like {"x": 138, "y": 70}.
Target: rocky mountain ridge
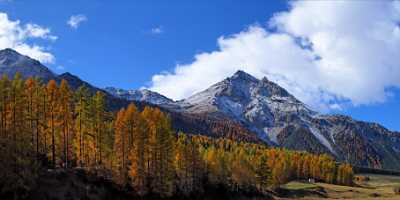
{"x": 140, "y": 95}
{"x": 245, "y": 108}
{"x": 279, "y": 119}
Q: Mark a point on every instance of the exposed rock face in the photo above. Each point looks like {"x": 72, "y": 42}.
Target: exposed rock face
{"x": 261, "y": 105}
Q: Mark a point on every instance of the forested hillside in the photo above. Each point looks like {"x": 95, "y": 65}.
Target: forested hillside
{"x": 46, "y": 127}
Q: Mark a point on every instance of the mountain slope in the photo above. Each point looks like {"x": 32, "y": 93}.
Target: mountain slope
{"x": 189, "y": 123}
{"x": 272, "y": 114}
{"x": 257, "y": 103}
{"x": 280, "y": 119}
{"x": 140, "y": 95}
{"x": 75, "y": 82}
{"x": 12, "y": 62}
{"x": 113, "y": 103}
{"x": 244, "y": 108}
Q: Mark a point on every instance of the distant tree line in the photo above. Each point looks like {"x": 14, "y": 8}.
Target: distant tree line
{"x": 50, "y": 126}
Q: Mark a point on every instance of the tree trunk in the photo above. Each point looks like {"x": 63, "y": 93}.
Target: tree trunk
{"x": 53, "y": 148}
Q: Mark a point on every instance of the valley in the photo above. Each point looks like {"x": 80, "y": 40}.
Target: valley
{"x": 200, "y": 100}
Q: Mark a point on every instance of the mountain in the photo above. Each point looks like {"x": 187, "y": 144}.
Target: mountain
{"x": 244, "y": 108}
{"x": 280, "y": 119}
{"x": 12, "y": 62}
{"x": 112, "y": 103}
{"x": 275, "y": 116}
{"x": 75, "y": 82}
{"x": 187, "y": 122}
{"x": 256, "y": 103}
{"x": 140, "y": 95}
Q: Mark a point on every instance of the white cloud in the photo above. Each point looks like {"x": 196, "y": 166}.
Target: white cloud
{"x": 324, "y": 52}
{"x": 157, "y": 30}
{"x": 75, "y": 20}
{"x": 14, "y": 35}
{"x": 34, "y": 30}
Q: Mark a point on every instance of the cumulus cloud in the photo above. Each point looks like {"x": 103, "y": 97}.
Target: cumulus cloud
{"x": 326, "y": 53}
{"x": 75, "y": 20}
{"x": 15, "y": 35}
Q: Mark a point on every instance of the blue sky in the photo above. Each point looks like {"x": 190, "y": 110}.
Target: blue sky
{"x": 115, "y": 45}
{"x": 161, "y": 44}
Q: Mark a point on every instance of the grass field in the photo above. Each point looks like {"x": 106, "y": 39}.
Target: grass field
{"x": 378, "y": 187}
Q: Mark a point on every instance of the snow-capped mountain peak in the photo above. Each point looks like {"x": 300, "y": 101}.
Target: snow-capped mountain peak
{"x": 259, "y": 104}
{"x": 140, "y": 95}
{"x": 241, "y": 75}
{"x": 243, "y": 94}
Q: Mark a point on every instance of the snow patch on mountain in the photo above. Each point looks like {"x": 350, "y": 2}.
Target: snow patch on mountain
{"x": 272, "y": 133}
{"x": 230, "y": 106}
{"x": 322, "y": 139}
{"x": 140, "y": 95}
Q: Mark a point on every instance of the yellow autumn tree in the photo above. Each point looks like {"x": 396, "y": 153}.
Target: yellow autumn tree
{"x": 65, "y": 121}
{"x": 138, "y": 151}
{"x": 120, "y": 148}
{"x": 52, "y": 94}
